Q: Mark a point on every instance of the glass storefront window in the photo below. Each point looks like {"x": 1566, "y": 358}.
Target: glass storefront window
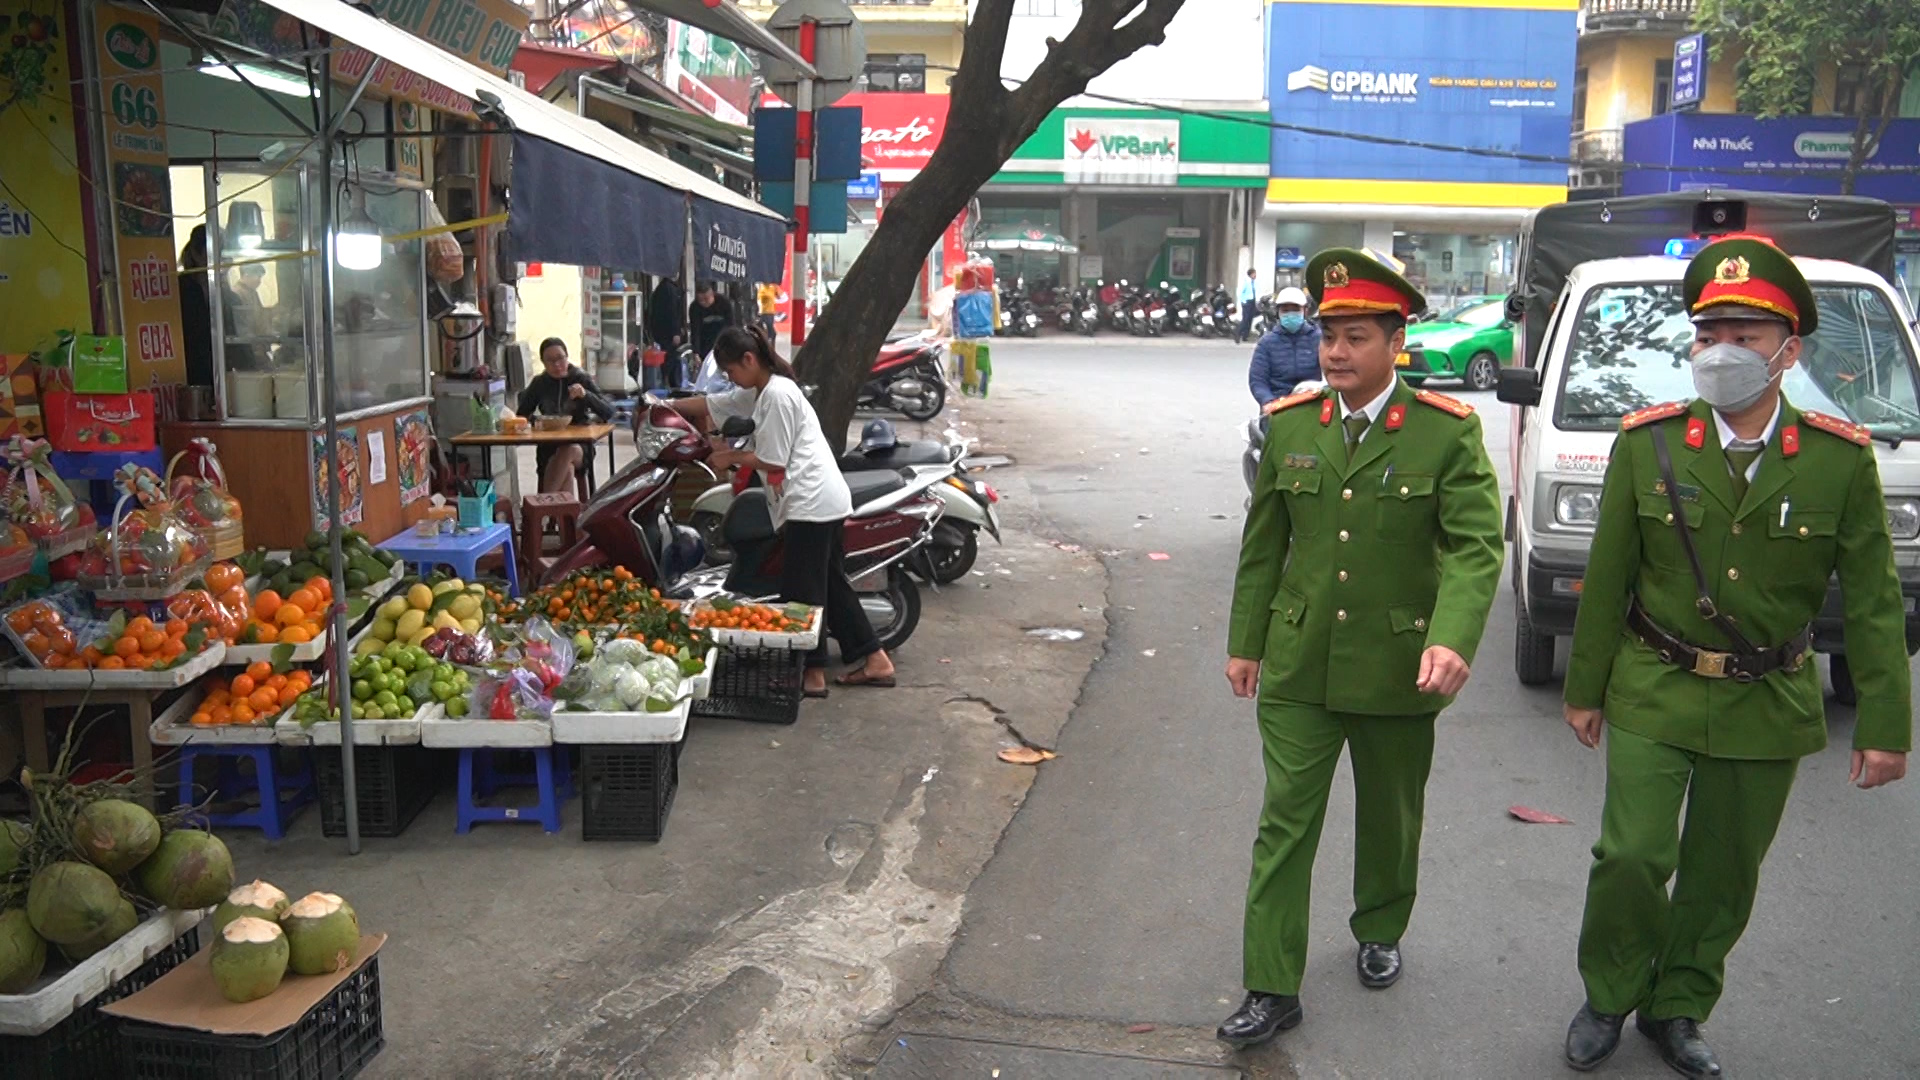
{"x": 379, "y": 315}
{"x": 1453, "y": 269}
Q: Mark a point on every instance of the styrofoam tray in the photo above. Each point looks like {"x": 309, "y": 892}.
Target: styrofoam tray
{"x": 754, "y": 639}
{"x": 54, "y": 1000}
{"x": 33, "y": 678}
{"x": 702, "y": 684}
{"x": 365, "y": 732}
{"x": 173, "y": 728}
{"x": 307, "y": 652}
{"x": 446, "y": 733}
{"x": 620, "y": 727}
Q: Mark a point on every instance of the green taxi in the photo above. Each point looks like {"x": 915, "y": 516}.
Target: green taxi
{"x": 1470, "y": 341}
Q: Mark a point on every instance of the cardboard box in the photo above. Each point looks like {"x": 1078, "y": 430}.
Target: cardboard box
{"x": 186, "y": 997}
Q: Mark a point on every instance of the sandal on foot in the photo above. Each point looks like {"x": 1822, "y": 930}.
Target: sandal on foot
{"x": 860, "y": 678}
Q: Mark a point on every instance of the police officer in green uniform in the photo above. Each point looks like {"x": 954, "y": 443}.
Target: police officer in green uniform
{"x": 1721, "y": 522}
{"x": 1370, "y": 557}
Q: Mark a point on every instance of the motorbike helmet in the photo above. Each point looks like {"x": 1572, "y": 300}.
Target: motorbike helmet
{"x": 1291, "y": 295}
{"x": 877, "y": 435}
{"x": 685, "y": 551}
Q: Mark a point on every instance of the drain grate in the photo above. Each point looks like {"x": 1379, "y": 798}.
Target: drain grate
{"x": 937, "y": 1057}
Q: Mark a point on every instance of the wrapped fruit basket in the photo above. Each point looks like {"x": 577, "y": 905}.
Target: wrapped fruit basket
{"x": 203, "y": 501}
{"x": 41, "y": 504}
{"x": 148, "y": 552}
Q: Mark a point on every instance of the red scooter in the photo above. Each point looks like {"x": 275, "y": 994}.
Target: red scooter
{"x": 907, "y": 378}
{"x": 630, "y": 524}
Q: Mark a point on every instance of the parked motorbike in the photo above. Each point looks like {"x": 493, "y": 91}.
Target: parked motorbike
{"x": 907, "y": 378}
{"x": 1202, "y": 324}
{"x": 1226, "y": 313}
{"x": 630, "y": 524}
{"x": 1016, "y": 311}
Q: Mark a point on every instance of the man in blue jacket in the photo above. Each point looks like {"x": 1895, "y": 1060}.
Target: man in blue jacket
{"x": 1288, "y": 355}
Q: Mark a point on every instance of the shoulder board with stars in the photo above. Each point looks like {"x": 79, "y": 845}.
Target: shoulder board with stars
{"x": 1444, "y": 403}
{"x": 1300, "y": 398}
{"x": 1857, "y": 434}
{"x": 1648, "y": 415}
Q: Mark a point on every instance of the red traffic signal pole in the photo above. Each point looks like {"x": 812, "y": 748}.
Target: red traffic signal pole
{"x": 802, "y": 186}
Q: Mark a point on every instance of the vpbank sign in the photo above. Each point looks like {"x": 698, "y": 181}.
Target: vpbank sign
{"x": 1121, "y": 150}
{"x": 1360, "y": 84}
{"x": 1826, "y": 146}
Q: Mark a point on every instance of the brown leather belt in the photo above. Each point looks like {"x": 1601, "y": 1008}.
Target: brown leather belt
{"x": 1711, "y": 664}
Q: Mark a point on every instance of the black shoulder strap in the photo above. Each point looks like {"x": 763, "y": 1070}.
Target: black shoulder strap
{"x": 1702, "y": 600}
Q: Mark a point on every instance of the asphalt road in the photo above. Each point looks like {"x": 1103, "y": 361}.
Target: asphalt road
{"x": 1116, "y": 893}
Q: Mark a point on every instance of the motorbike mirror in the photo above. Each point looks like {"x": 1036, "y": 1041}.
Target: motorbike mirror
{"x": 737, "y": 427}
{"x": 1163, "y": 285}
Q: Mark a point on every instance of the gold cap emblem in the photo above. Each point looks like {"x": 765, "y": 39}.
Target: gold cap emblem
{"x": 1734, "y": 271}
{"x": 1335, "y": 276}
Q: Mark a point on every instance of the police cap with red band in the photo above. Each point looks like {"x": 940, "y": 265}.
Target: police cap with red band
{"x": 1348, "y": 281}
{"x": 1748, "y": 277}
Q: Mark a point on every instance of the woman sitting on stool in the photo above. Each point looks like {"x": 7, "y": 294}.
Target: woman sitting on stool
{"x": 563, "y": 390}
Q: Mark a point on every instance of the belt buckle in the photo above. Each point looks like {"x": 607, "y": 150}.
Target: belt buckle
{"x": 1710, "y": 665}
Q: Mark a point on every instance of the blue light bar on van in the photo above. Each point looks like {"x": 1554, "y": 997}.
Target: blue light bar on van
{"x": 1685, "y": 247}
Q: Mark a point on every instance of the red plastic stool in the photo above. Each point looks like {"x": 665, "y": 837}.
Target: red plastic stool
{"x": 535, "y": 511}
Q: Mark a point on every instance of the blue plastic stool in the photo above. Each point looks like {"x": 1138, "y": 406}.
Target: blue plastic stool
{"x": 551, "y": 776}
{"x": 461, "y": 550}
{"x": 281, "y": 797}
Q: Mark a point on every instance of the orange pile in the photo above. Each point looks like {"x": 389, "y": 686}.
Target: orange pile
{"x": 294, "y": 619}
{"x": 255, "y": 696}
{"x": 143, "y": 645}
{"x": 756, "y": 617}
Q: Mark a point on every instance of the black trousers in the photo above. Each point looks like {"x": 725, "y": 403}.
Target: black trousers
{"x": 1246, "y": 323}
{"x": 814, "y": 571}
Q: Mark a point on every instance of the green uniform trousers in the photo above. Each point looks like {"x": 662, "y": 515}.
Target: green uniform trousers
{"x": 1391, "y": 758}
{"x": 1639, "y": 948}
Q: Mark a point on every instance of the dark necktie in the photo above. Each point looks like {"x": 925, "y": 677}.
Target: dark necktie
{"x": 1740, "y": 458}
{"x": 1356, "y": 425}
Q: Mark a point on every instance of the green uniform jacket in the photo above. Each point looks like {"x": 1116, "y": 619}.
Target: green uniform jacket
{"x": 1357, "y": 567}
{"x": 1766, "y": 570}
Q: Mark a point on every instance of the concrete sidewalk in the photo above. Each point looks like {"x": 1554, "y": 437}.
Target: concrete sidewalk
{"x": 809, "y": 884}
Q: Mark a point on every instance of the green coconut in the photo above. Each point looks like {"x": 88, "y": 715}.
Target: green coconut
{"x": 190, "y": 869}
{"x": 256, "y": 899}
{"x": 323, "y": 934}
{"x": 22, "y": 952}
{"x": 115, "y": 835}
{"x": 14, "y": 836}
{"x": 249, "y": 958}
{"x": 122, "y": 923}
{"x": 71, "y": 902}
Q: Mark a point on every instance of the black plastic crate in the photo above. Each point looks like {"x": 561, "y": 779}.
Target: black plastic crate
{"x": 626, "y": 791}
{"x": 335, "y": 1040}
{"x": 393, "y": 784}
{"x": 86, "y": 1043}
{"x": 755, "y": 684}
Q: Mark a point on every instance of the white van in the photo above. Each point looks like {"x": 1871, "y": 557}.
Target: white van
{"x": 1617, "y": 339}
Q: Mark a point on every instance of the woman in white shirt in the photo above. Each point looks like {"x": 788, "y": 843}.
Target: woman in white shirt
{"x": 809, "y": 497}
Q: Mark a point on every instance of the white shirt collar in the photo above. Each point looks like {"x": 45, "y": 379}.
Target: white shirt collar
{"x": 1728, "y": 437}
{"x": 1373, "y": 408}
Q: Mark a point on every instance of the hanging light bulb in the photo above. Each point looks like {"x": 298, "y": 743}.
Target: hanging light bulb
{"x": 357, "y": 243}
{"x": 244, "y": 226}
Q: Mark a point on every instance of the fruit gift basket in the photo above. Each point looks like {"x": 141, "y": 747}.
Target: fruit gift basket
{"x": 148, "y": 552}
{"x": 16, "y": 551}
{"x": 200, "y": 496}
{"x": 40, "y": 503}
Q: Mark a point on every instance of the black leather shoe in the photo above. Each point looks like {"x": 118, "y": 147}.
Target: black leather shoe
{"x": 1592, "y": 1038}
{"x": 1379, "y": 965}
{"x": 1259, "y": 1018}
{"x": 1681, "y": 1046}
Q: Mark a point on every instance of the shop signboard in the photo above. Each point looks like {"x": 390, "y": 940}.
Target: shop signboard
{"x": 898, "y": 132}
{"x": 128, "y": 54}
{"x": 43, "y": 262}
{"x": 1805, "y": 154}
{"x": 1121, "y": 150}
{"x": 268, "y": 31}
{"x": 1434, "y": 78}
{"x": 408, "y": 160}
{"x": 867, "y": 186}
{"x": 712, "y": 72}
{"x": 482, "y": 32}
{"x": 1689, "y": 73}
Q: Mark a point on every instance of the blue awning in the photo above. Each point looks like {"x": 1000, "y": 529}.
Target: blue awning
{"x": 574, "y": 209}
{"x": 732, "y": 246}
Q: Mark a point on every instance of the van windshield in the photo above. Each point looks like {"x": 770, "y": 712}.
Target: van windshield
{"x": 1631, "y": 342}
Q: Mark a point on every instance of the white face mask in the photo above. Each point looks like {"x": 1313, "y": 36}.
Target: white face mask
{"x": 1731, "y": 377}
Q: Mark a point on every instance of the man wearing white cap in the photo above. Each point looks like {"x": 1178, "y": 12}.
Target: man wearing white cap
{"x": 1288, "y": 355}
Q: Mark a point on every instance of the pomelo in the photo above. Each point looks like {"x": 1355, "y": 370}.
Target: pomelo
{"x": 116, "y": 835}
{"x": 190, "y": 869}
{"x": 323, "y": 933}
{"x": 70, "y": 902}
{"x": 258, "y": 900}
{"x": 249, "y": 958}
{"x": 22, "y": 952}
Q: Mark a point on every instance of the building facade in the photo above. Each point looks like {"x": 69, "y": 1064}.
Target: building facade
{"x": 1433, "y": 79}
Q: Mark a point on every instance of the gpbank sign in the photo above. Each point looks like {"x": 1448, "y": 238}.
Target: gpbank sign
{"x": 1492, "y": 77}
{"x": 1121, "y": 150}
{"x": 1793, "y": 153}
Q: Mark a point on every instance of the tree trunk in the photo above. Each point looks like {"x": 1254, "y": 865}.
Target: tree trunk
{"x": 986, "y": 124}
